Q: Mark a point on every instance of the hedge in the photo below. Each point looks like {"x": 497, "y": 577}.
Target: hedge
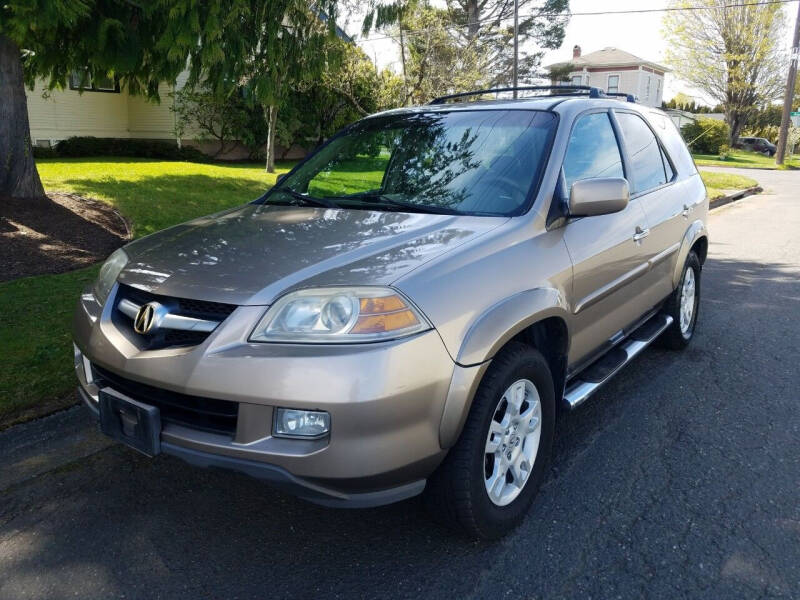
{"x": 91, "y": 146}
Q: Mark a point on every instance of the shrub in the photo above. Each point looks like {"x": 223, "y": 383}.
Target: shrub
{"x": 40, "y": 152}
{"x": 705, "y": 136}
{"x": 770, "y": 132}
{"x": 92, "y": 146}
{"x": 724, "y": 152}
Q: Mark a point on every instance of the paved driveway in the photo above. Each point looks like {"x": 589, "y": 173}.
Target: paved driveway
{"x": 680, "y": 479}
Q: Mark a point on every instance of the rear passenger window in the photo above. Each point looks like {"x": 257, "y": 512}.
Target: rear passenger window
{"x": 592, "y": 151}
{"x": 644, "y": 151}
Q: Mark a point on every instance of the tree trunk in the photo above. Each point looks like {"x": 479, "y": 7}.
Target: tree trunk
{"x": 735, "y": 123}
{"x": 18, "y": 175}
{"x": 271, "y": 114}
{"x": 473, "y": 19}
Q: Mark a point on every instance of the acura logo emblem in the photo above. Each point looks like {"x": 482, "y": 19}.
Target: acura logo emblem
{"x": 145, "y": 318}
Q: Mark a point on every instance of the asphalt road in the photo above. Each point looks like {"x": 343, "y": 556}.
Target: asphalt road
{"x": 679, "y": 479}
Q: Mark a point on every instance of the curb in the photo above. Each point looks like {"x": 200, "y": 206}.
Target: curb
{"x": 723, "y": 200}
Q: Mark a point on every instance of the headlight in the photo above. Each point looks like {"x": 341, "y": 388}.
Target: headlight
{"x": 108, "y": 274}
{"x": 339, "y": 315}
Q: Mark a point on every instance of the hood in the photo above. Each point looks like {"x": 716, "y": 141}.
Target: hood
{"x": 252, "y": 254}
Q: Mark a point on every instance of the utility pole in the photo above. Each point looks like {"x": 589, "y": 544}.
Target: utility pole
{"x": 516, "y": 45}
{"x": 787, "y": 99}
{"x": 407, "y": 101}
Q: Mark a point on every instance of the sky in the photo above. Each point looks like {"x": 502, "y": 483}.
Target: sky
{"x": 639, "y": 34}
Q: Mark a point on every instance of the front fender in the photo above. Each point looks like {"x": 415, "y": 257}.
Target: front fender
{"x": 506, "y": 319}
{"x": 488, "y": 334}
{"x": 695, "y": 231}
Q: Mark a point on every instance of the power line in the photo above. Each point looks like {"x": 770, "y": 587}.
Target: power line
{"x": 417, "y": 32}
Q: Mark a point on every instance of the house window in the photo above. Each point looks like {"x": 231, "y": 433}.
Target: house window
{"x": 100, "y": 83}
{"x": 577, "y": 80}
{"x": 658, "y": 90}
{"x": 613, "y": 84}
{"x": 647, "y": 89}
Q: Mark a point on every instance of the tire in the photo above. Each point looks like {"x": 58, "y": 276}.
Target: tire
{"x": 677, "y": 337}
{"x": 457, "y": 492}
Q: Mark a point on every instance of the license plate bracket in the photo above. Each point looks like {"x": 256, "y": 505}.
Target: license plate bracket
{"x": 133, "y": 423}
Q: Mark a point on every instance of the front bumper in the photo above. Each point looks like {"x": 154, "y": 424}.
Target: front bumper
{"x": 386, "y": 402}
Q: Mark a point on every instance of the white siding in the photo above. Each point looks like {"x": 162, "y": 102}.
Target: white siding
{"x": 65, "y": 113}
{"x": 630, "y": 82}
{"x": 150, "y": 119}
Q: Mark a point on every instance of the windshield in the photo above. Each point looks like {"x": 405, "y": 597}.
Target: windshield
{"x": 461, "y": 162}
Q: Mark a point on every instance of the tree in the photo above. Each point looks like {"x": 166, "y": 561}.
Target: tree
{"x": 730, "y": 51}
{"x": 438, "y": 64}
{"x": 488, "y": 24}
{"x": 264, "y": 47}
{"x": 560, "y": 73}
{"x": 218, "y": 118}
{"x": 50, "y": 40}
{"x": 481, "y": 31}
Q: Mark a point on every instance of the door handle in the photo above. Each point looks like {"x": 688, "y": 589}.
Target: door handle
{"x": 686, "y": 210}
{"x": 640, "y": 234}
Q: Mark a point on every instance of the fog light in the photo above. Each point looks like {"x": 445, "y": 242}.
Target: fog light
{"x": 301, "y": 423}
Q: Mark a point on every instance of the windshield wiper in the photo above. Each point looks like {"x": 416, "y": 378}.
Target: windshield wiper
{"x": 377, "y": 198}
{"x": 323, "y": 202}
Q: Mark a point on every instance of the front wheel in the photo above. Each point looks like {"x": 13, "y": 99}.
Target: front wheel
{"x": 683, "y": 306}
{"x": 489, "y": 478}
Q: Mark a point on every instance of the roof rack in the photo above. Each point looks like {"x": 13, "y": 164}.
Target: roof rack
{"x": 628, "y": 97}
{"x": 592, "y": 92}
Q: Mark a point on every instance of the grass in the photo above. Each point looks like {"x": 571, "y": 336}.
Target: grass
{"x": 36, "y": 312}
{"x": 342, "y": 181}
{"x": 718, "y": 184}
{"x": 744, "y": 160}
{"x": 157, "y": 194}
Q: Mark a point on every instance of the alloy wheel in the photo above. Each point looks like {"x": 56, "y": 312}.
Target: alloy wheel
{"x": 512, "y": 442}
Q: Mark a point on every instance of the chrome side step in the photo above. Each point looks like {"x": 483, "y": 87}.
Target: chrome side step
{"x": 578, "y": 390}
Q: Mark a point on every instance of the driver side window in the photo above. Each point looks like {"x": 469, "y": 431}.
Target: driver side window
{"x": 592, "y": 151}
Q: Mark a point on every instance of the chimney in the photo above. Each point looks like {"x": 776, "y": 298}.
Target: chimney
{"x": 576, "y": 51}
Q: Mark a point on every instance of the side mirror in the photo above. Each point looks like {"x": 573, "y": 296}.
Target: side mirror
{"x": 603, "y": 196}
{"x": 280, "y": 178}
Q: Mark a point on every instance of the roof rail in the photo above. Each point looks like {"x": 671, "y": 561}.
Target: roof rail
{"x": 592, "y": 92}
{"x": 628, "y": 97}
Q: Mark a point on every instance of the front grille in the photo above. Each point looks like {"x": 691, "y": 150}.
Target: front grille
{"x": 164, "y": 337}
{"x": 200, "y": 309}
{"x": 205, "y": 414}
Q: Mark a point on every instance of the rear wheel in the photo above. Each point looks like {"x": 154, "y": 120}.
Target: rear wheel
{"x": 489, "y": 478}
{"x": 683, "y": 305}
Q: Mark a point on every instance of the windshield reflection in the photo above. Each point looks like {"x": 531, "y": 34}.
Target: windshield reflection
{"x": 481, "y": 162}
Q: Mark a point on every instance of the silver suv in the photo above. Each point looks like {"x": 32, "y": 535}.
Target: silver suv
{"x": 409, "y": 308}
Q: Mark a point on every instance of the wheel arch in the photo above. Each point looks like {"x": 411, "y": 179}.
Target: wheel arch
{"x": 695, "y": 238}
{"x": 536, "y": 317}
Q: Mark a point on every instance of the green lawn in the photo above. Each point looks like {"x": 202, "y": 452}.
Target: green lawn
{"x": 361, "y": 174}
{"x": 718, "y": 184}
{"x": 744, "y": 160}
{"x": 35, "y": 312}
{"x": 156, "y": 194}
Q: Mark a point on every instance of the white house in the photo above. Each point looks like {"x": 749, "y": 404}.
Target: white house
{"x": 102, "y": 110}
{"x": 105, "y": 110}
{"x": 616, "y": 71}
